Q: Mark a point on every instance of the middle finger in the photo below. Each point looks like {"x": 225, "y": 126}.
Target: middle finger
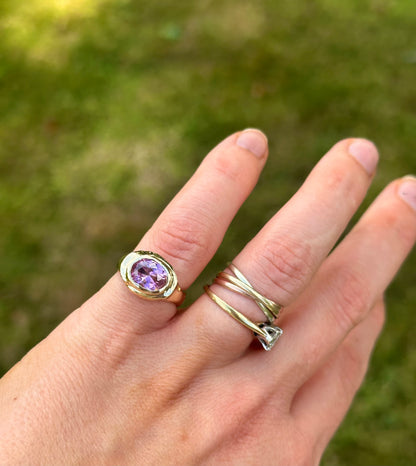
{"x": 282, "y": 258}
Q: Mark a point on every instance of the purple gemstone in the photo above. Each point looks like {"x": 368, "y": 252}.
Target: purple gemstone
{"x": 149, "y": 274}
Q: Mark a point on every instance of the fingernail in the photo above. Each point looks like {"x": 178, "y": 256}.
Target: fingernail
{"x": 366, "y": 154}
{"x": 254, "y": 141}
{"x": 407, "y": 190}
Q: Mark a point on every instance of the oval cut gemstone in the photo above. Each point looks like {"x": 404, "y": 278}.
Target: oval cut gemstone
{"x": 149, "y": 274}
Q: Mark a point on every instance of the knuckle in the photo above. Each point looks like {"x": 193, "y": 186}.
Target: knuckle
{"x": 311, "y": 356}
{"x": 335, "y": 179}
{"x": 355, "y": 365}
{"x": 396, "y": 220}
{"x": 352, "y": 300}
{"x": 229, "y": 167}
{"x": 181, "y": 238}
{"x": 286, "y": 264}
{"x": 379, "y": 315}
{"x": 343, "y": 184}
{"x": 354, "y": 360}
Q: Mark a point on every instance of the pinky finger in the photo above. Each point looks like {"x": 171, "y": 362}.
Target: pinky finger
{"x": 321, "y": 403}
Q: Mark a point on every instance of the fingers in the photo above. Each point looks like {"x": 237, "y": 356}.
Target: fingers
{"x": 348, "y": 284}
{"x": 281, "y": 259}
{"x": 322, "y": 402}
{"x": 189, "y": 230}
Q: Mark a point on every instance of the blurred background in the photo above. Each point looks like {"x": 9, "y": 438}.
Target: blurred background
{"x": 108, "y": 106}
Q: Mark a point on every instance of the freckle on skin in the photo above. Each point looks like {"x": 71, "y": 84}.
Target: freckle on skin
{"x": 184, "y": 436}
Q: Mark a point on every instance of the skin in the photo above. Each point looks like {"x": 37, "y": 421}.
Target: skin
{"x": 127, "y": 381}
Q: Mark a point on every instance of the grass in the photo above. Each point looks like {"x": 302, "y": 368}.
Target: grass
{"x": 107, "y": 107}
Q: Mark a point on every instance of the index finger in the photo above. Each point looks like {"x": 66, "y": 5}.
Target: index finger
{"x": 190, "y": 229}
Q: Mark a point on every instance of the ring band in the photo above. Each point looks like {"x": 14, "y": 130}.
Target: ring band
{"x": 240, "y": 284}
{"x": 151, "y": 277}
{"x": 265, "y": 332}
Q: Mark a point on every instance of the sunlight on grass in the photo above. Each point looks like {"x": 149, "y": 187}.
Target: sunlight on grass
{"x": 41, "y": 29}
{"x": 65, "y": 8}
{"x": 59, "y": 9}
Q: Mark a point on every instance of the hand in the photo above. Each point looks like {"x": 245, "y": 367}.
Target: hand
{"x": 127, "y": 381}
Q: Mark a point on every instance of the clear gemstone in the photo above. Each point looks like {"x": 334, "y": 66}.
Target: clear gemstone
{"x": 149, "y": 274}
{"x": 272, "y": 335}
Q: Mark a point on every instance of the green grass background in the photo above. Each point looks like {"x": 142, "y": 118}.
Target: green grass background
{"x": 108, "y": 106}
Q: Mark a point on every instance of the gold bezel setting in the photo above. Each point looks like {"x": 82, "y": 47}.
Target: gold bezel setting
{"x": 126, "y": 264}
